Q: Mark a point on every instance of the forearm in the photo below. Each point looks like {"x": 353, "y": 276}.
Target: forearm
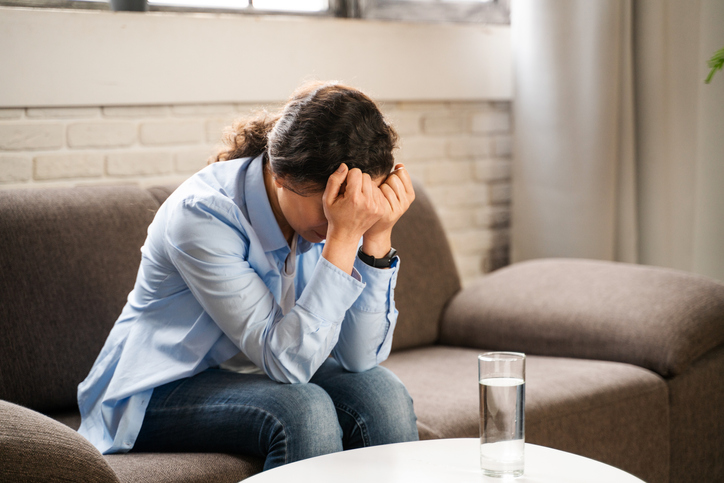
{"x": 341, "y": 252}
{"x": 294, "y": 346}
{"x": 366, "y": 334}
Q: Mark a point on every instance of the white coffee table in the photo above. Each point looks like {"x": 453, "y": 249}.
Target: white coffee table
{"x": 441, "y": 460}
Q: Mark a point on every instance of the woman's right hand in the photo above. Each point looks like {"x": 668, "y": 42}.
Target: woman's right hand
{"x": 352, "y": 205}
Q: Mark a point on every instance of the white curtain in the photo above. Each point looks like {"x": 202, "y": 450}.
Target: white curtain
{"x": 619, "y": 145}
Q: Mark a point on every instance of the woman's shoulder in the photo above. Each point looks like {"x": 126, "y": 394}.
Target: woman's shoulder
{"x": 206, "y": 198}
{"x": 219, "y": 185}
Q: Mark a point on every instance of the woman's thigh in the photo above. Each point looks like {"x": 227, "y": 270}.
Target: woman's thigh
{"x": 222, "y": 411}
{"x": 373, "y": 407}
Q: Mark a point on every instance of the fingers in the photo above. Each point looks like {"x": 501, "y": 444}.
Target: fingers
{"x": 383, "y": 201}
{"x": 392, "y": 200}
{"x": 395, "y": 190}
{"x": 355, "y": 180}
{"x": 334, "y": 184}
{"x": 367, "y": 184}
{"x": 398, "y": 190}
{"x": 401, "y": 173}
{"x": 361, "y": 186}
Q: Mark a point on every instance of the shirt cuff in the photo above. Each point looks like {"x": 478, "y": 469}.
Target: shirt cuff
{"x": 376, "y": 295}
{"x": 330, "y": 292}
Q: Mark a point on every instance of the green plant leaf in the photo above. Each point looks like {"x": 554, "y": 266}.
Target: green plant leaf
{"x": 715, "y": 63}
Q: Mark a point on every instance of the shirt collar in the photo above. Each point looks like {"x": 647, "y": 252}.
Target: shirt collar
{"x": 260, "y": 212}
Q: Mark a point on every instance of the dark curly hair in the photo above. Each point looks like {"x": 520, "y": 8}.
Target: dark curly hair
{"x": 322, "y": 125}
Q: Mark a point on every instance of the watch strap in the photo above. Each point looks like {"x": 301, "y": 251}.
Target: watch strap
{"x": 384, "y": 262}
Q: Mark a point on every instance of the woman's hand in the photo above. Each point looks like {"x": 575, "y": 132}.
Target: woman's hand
{"x": 397, "y": 194}
{"x": 352, "y": 205}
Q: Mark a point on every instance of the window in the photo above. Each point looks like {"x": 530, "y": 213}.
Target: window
{"x": 250, "y": 6}
{"x": 470, "y": 11}
{"x": 314, "y": 7}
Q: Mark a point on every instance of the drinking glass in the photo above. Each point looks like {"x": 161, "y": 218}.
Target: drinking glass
{"x": 501, "y": 376}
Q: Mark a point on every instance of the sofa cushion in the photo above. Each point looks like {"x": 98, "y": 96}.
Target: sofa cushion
{"x": 68, "y": 259}
{"x": 611, "y": 412}
{"x": 36, "y": 448}
{"x": 428, "y": 276}
{"x": 697, "y": 420}
{"x": 183, "y": 467}
{"x": 656, "y": 318}
{"x": 174, "y": 467}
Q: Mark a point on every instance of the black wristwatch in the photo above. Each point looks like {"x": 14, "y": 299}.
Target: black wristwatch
{"x": 384, "y": 262}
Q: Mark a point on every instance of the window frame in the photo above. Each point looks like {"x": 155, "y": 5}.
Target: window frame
{"x": 105, "y": 5}
{"x": 492, "y": 12}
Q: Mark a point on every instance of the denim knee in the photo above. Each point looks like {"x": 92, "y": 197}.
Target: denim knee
{"x": 393, "y": 419}
{"x": 306, "y": 427}
{"x": 373, "y": 407}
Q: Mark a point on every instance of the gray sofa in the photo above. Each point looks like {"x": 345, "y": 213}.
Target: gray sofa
{"x": 625, "y": 362}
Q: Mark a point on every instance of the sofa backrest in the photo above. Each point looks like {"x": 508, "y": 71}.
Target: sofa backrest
{"x": 428, "y": 277}
{"x": 69, "y": 258}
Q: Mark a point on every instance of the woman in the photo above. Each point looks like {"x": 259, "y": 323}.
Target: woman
{"x": 256, "y": 270}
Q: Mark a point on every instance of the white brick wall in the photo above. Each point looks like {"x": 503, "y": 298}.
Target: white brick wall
{"x": 172, "y": 133}
{"x": 15, "y": 169}
{"x": 460, "y": 151}
{"x": 101, "y": 134}
{"x": 139, "y": 163}
{"x": 68, "y": 165}
{"x": 22, "y": 136}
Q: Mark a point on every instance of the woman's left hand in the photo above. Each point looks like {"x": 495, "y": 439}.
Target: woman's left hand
{"x": 396, "y": 195}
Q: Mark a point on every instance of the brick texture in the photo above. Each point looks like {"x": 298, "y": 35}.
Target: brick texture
{"x": 215, "y": 129}
{"x": 445, "y": 123}
{"x": 30, "y": 136}
{"x": 449, "y": 172}
{"x": 493, "y": 216}
{"x": 492, "y": 169}
{"x": 14, "y": 169}
{"x": 139, "y": 163}
{"x": 421, "y": 148}
{"x": 135, "y": 112}
{"x": 202, "y": 109}
{"x": 503, "y": 145}
{"x": 172, "y": 132}
{"x": 101, "y": 134}
{"x": 405, "y": 122}
{"x": 466, "y": 147}
{"x": 64, "y": 112}
{"x": 191, "y": 160}
{"x": 491, "y": 122}
{"x": 68, "y": 165}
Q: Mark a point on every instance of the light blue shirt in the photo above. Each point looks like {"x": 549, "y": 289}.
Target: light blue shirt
{"x": 209, "y": 286}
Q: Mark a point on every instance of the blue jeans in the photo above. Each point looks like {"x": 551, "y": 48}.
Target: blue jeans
{"x": 226, "y": 412}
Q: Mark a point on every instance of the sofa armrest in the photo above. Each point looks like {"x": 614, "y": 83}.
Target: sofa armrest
{"x": 35, "y": 448}
{"x": 656, "y": 318}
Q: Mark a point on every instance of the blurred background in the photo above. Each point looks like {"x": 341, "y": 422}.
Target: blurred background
{"x": 540, "y": 128}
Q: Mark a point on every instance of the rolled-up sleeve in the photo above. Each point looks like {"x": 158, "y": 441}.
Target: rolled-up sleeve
{"x": 365, "y": 338}
{"x": 211, "y": 251}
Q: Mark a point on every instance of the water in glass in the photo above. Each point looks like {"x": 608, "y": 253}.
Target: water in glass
{"x": 502, "y": 422}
